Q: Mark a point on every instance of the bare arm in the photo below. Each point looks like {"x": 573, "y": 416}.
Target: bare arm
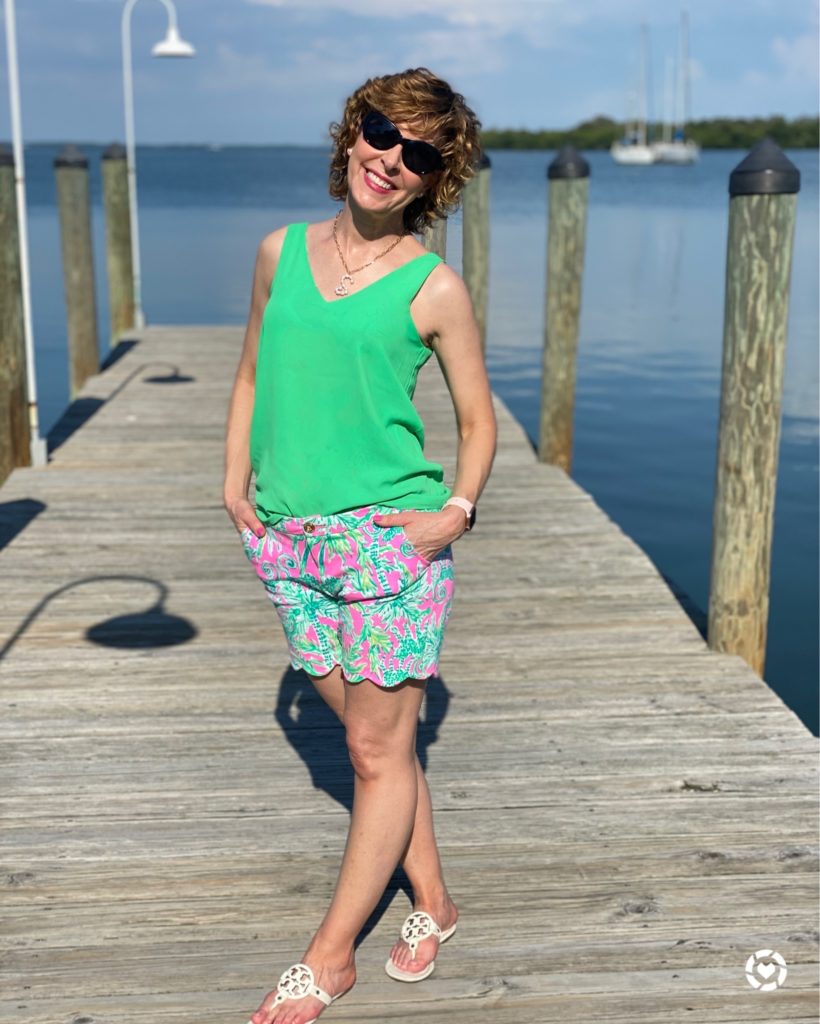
{"x": 443, "y": 313}
{"x": 456, "y": 340}
{"x": 240, "y": 408}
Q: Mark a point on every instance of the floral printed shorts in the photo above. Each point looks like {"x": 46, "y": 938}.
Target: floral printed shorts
{"x": 351, "y": 592}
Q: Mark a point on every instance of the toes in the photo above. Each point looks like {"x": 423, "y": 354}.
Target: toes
{"x": 294, "y": 1015}
{"x": 404, "y": 959}
{"x": 299, "y": 1016}
{"x": 264, "y": 1014}
{"x": 268, "y": 1012}
{"x": 425, "y": 952}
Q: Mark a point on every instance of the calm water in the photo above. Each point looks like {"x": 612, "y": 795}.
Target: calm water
{"x": 649, "y": 354}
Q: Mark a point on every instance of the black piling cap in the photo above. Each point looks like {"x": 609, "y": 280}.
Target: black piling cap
{"x": 70, "y": 156}
{"x": 116, "y": 151}
{"x": 481, "y": 162}
{"x": 6, "y": 156}
{"x": 568, "y": 163}
{"x": 765, "y": 170}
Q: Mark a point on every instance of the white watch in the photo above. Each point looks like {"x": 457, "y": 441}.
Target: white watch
{"x": 466, "y": 506}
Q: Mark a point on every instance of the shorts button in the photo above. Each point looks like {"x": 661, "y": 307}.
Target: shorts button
{"x": 309, "y": 527}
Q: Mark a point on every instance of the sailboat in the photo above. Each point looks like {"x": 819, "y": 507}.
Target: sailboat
{"x": 633, "y": 147}
{"x": 674, "y": 147}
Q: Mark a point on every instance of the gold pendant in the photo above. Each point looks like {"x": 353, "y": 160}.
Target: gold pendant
{"x": 341, "y": 287}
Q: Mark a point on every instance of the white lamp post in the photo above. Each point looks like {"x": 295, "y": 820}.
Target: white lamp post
{"x": 171, "y": 46}
{"x": 39, "y": 455}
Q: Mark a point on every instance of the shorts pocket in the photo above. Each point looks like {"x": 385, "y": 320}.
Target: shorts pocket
{"x": 406, "y": 541}
{"x": 398, "y": 535}
{"x": 249, "y": 541}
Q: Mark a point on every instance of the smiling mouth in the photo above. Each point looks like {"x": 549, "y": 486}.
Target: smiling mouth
{"x": 376, "y": 182}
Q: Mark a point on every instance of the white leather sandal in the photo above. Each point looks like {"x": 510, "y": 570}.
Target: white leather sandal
{"x": 417, "y": 926}
{"x": 296, "y": 983}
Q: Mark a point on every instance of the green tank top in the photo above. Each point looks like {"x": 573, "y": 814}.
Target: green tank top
{"x": 334, "y": 426}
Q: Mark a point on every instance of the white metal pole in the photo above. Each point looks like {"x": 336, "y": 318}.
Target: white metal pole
{"x": 139, "y": 318}
{"x": 130, "y": 148}
{"x": 39, "y": 452}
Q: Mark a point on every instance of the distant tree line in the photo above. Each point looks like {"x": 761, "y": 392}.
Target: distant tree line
{"x": 715, "y": 133}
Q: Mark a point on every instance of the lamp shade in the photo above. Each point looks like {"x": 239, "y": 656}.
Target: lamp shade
{"x": 173, "y": 46}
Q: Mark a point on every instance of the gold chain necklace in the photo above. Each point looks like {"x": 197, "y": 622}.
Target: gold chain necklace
{"x": 347, "y": 277}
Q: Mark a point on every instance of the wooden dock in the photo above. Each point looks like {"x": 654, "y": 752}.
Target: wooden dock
{"x": 625, "y": 816}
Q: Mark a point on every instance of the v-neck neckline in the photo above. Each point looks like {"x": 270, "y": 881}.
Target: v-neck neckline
{"x": 352, "y": 295}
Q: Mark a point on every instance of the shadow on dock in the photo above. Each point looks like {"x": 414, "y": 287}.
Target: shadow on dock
{"x": 699, "y": 618}
{"x": 15, "y": 517}
{"x": 151, "y": 628}
{"x": 80, "y": 411}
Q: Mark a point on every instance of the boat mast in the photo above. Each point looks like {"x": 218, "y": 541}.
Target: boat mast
{"x": 668, "y": 99}
{"x": 642, "y": 88}
{"x": 687, "y": 98}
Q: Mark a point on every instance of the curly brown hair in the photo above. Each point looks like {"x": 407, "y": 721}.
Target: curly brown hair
{"x": 431, "y": 109}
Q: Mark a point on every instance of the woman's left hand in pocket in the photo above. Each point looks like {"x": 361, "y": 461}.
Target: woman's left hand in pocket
{"x": 428, "y": 532}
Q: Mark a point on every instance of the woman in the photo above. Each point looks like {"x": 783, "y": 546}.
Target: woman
{"x": 351, "y": 530}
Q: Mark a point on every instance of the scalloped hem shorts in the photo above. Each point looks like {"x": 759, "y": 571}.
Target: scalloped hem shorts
{"x": 353, "y": 593}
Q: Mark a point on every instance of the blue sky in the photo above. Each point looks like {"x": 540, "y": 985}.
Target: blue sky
{"x": 278, "y": 71}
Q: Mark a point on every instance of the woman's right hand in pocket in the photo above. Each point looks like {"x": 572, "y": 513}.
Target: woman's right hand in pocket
{"x": 243, "y": 516}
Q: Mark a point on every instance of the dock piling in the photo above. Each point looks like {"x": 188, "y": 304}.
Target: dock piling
{"x": 476, "y": 242}
{"x": 74, "y": 201}
{"x": 763, "y": 190}
{"x": 14, "y": 431}
{"x": 568, "y": 177}
{"x": 435, "y": 237}
{"x": 119, "y": 264}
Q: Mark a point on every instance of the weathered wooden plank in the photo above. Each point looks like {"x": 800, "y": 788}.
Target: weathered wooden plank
{"x": 636, "y": 858}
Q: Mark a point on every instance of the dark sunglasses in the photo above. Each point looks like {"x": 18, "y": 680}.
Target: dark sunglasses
{"x": 419, "y": 157}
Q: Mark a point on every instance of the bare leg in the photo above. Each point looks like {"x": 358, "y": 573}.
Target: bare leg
{"x": 381, "y": 734}
{"x": 420, "y": 860}
{"x": 422, "y": 864}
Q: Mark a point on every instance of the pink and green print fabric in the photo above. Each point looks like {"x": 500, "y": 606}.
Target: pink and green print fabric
{"x": 353, "y": 593}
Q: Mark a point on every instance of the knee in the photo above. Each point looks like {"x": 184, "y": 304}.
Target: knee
{"x": 366, "y": 750}
{"x": 373, "y": 753}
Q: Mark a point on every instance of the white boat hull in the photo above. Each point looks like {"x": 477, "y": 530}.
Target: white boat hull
{"x": 632, "y": 154}
{"x": 676, "y": 152}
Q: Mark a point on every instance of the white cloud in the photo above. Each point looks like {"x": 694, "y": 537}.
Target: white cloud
{"x": 485, "y": 44}
{"x": 544, "y": 23}
{"x": 457, "y": 38}
{"x": 697, "y": 72}
{"x": 455, "y": 12}
{"x": 477, "y": 51}
{"x": 309, "y": 72}
{"x": 798, "y": 57}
